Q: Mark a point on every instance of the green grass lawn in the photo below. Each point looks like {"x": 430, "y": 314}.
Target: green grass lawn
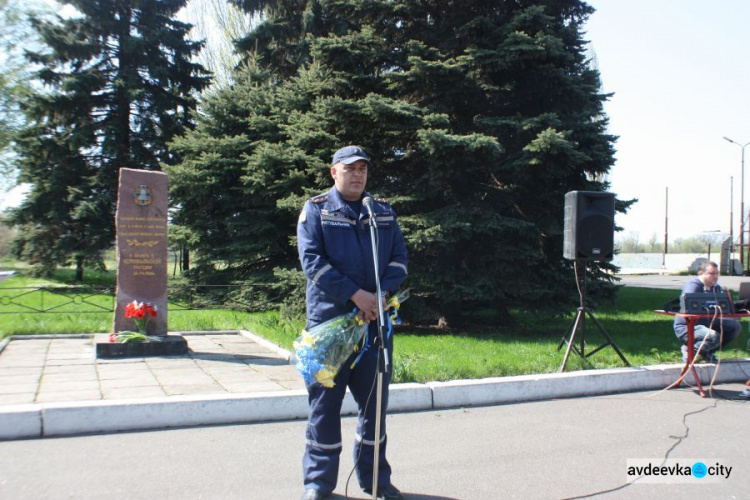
{"x": 527, "y": 347}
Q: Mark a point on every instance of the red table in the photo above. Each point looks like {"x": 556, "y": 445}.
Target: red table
{"x": 691, "y": 320}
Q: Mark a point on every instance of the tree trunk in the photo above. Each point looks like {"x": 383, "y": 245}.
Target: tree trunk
{"x": 79, "y": 269}
{"x": 451, "y": 315}
{"x": 185, "y": 259}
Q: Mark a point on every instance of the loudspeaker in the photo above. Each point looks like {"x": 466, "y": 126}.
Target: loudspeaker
{"x": 589, "y": 228}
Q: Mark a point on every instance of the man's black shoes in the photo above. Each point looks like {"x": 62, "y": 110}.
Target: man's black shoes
{"x": 387, "y": 492}
{"x": 312, "y": 494}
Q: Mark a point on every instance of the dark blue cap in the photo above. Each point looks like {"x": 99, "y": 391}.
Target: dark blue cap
{"x": 349, "y": 154}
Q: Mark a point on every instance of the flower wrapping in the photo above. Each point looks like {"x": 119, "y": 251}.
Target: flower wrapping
{"x": 323, "y": 350}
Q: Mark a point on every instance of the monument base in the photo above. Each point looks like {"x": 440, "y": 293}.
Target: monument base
{"x": 171, "y": 345}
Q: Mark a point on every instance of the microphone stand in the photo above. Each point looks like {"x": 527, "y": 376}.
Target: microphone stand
{"x": 382, "y": 356}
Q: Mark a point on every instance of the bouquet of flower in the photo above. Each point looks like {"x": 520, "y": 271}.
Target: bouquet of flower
{"x": 323, "y": 350}
{"x": 141, "y": 313}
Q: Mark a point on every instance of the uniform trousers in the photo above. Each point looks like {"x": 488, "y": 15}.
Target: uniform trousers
{"x": 323, "y": 435}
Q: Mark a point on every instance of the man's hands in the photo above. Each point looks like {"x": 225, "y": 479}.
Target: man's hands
{"x": 367, "y": 303}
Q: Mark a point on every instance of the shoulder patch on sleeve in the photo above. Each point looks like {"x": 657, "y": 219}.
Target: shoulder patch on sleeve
{"x": 302, "y": 217}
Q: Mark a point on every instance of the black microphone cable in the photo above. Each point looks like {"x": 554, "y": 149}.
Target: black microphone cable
{"x": 364, "y": 412}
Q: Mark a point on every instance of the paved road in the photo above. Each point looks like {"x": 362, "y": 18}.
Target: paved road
{"x": 676, "y": 282}
{"x": 552, "y": 449}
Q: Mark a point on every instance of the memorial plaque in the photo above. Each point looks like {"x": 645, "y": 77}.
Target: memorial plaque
{"x": 141, "y": 222}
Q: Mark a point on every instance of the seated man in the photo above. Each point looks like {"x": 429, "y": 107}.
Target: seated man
{"x": 711, "y": 332}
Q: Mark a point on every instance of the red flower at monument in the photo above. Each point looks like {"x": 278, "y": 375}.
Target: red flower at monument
{"x": 141, "y": 312}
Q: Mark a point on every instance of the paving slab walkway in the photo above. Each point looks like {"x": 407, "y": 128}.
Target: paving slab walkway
{"x": 44, "y": 370}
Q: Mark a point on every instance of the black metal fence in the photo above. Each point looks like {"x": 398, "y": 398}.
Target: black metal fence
{"x": 101, "y": 298}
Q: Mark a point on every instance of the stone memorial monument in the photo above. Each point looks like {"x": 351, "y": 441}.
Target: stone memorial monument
{"x": 141, "y": 224}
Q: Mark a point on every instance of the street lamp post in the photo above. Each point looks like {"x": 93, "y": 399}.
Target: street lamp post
{"x": 666, "y": 228}
{"x": 731, "y": 224}
{"x": 742, "y": 203}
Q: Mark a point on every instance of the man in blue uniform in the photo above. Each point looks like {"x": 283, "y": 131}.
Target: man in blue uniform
{"x": 333, "y": 240}
{"x": 711, "y": 333}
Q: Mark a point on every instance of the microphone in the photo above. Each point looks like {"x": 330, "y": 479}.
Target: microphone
{"x": 367, "y": 202}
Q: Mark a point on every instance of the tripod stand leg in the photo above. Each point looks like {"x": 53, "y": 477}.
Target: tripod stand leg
{"x": 609, "y": 339}
{"x": 571, "y": 327}
{"x": 581, "y": 319}
{"x": 572, "y": 333}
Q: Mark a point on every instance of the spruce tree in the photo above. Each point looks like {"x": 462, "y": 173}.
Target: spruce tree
{"x": 119, "y": 84}
{"x": 234, "y": 173}
{"x": 479, "y": 117}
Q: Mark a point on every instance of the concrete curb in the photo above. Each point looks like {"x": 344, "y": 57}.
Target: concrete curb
{"x": 268, "y": 345}
{"x": 87, "y": 417}
{"x": 575, "y": 384}
{"x": 92, "y": 417}
{"x": 21, "y": 421}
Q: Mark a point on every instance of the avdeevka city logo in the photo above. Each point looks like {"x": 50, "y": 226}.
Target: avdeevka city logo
{"x": 699, "y": 470}
{"x": 659, "y": 470}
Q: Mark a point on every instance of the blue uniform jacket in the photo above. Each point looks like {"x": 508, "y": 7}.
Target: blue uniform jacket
{"x": 336, "y": 254}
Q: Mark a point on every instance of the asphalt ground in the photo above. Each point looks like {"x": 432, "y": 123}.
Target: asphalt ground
{"x": 557, "y": 448}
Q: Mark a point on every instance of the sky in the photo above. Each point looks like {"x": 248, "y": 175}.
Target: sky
{"x": 679, "y": 76}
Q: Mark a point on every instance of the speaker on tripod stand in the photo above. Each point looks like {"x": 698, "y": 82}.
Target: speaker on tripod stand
{"x": 588, "y": 235}
{"x": 589, "y": 227}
